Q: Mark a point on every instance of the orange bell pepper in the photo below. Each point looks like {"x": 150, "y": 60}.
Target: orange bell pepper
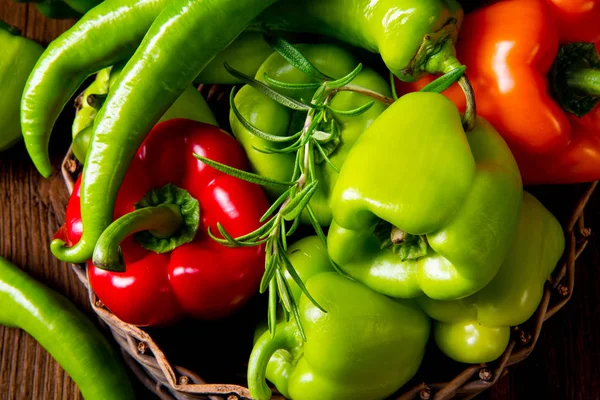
{"x": 509, "y": 49}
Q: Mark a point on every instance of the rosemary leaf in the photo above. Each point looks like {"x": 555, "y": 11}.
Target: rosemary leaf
{"x": 445, "y": 81}
{"x": 243, "y": 175}
{"x": 343, "y": 81}
{"x": 267, "y": 91}
{"x": 254, "y": 130}
{"x": 293, "y": 56}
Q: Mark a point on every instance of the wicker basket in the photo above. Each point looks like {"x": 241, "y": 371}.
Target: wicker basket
{"x": 170, "y": 381}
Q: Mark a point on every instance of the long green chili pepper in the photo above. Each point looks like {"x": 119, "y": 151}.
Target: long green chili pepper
{"x": 104, "y": 36}
{"x": 68, "y": 335}
{"x": 185, "y": 37}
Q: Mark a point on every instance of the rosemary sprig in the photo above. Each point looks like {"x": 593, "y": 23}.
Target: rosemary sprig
{"x": 312, "y": 144}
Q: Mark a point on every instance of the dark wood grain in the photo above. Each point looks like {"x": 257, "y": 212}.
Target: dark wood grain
{"x": 565, "y": 365}
{"x": 31, "y": 209}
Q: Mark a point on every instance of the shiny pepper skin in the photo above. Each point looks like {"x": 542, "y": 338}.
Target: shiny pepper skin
{"x": 365, "y": 347}
{"x": 416, "y": 169}
{"x": 201, "y": 279}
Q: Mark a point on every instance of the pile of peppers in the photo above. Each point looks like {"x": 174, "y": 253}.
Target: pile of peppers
{"x": 369, "y": 179}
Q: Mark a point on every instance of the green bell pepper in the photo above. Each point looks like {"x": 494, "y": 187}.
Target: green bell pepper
{"x": 190, "y": 105}
{"x": 19, "y": 55}
{"x": 87, "y": 105}
{"x": 422, "y": 207}
{"x": 365, "y": 347}
{"x": 245, "y": 54}
{"x": 269, "y": 116}
{"x": 476, "y": 329}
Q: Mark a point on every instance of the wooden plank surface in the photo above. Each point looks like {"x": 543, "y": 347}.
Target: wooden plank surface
{"x": 565, "y": 365}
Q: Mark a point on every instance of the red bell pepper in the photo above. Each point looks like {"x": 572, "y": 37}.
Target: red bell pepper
{"x": 200, "y": 278}
{"x": 511, "y": 48}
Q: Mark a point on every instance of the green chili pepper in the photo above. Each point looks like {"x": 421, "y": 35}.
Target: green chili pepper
{"x": 175, "y": 50}
{"x": 67, "y": 334}
{"x": 71, "y": 58}
{"x": 19, "y": 55}
{"x": 276, "y": 119}
{"x": 190, "y": 105}
{"x": 476, "y": 329}
{"x": 422, "y": 207}
{"x": 365, "y": 347}
{"x": 106, "y": 35}
{"x": 413, "y": 37}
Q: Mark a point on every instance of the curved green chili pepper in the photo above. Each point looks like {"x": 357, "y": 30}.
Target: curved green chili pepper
{"x": 68, "y": 335}
{"x": 412, "y": 37}
{"x": 70, "y": 59}
{"x": 175, "y": 50}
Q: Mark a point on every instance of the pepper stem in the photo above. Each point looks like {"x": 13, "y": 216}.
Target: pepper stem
{"x": 161, "y": 221}
{"x": 444, "y": 63}
{"x": 397, "y": 235}
{"x": 575, "y": 78}
{"x": 471, "y": 109}
{"x": 286, "y": 337}
{"x": 585, "y": 81}
{"x": 366, "y": 92}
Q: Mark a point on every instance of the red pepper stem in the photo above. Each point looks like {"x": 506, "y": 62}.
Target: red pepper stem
{"x": 162, "y": 221}
{"x": 585, "y": 81}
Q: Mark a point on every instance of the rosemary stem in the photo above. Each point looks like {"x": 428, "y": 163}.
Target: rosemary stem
{"x": 367, "y": 92}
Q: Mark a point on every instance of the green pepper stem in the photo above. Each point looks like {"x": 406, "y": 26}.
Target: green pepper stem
{"x": 471, "y": 109}
{"x": 286, "y": 337}
{"x": 585, "y": 81}
{"x": 162, "y": 221}
{"x": 445, "y": 63}
{"x": 397, "y": 235}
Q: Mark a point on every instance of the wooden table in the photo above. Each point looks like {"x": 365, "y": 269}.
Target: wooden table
{"x": 565, "y": 364}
